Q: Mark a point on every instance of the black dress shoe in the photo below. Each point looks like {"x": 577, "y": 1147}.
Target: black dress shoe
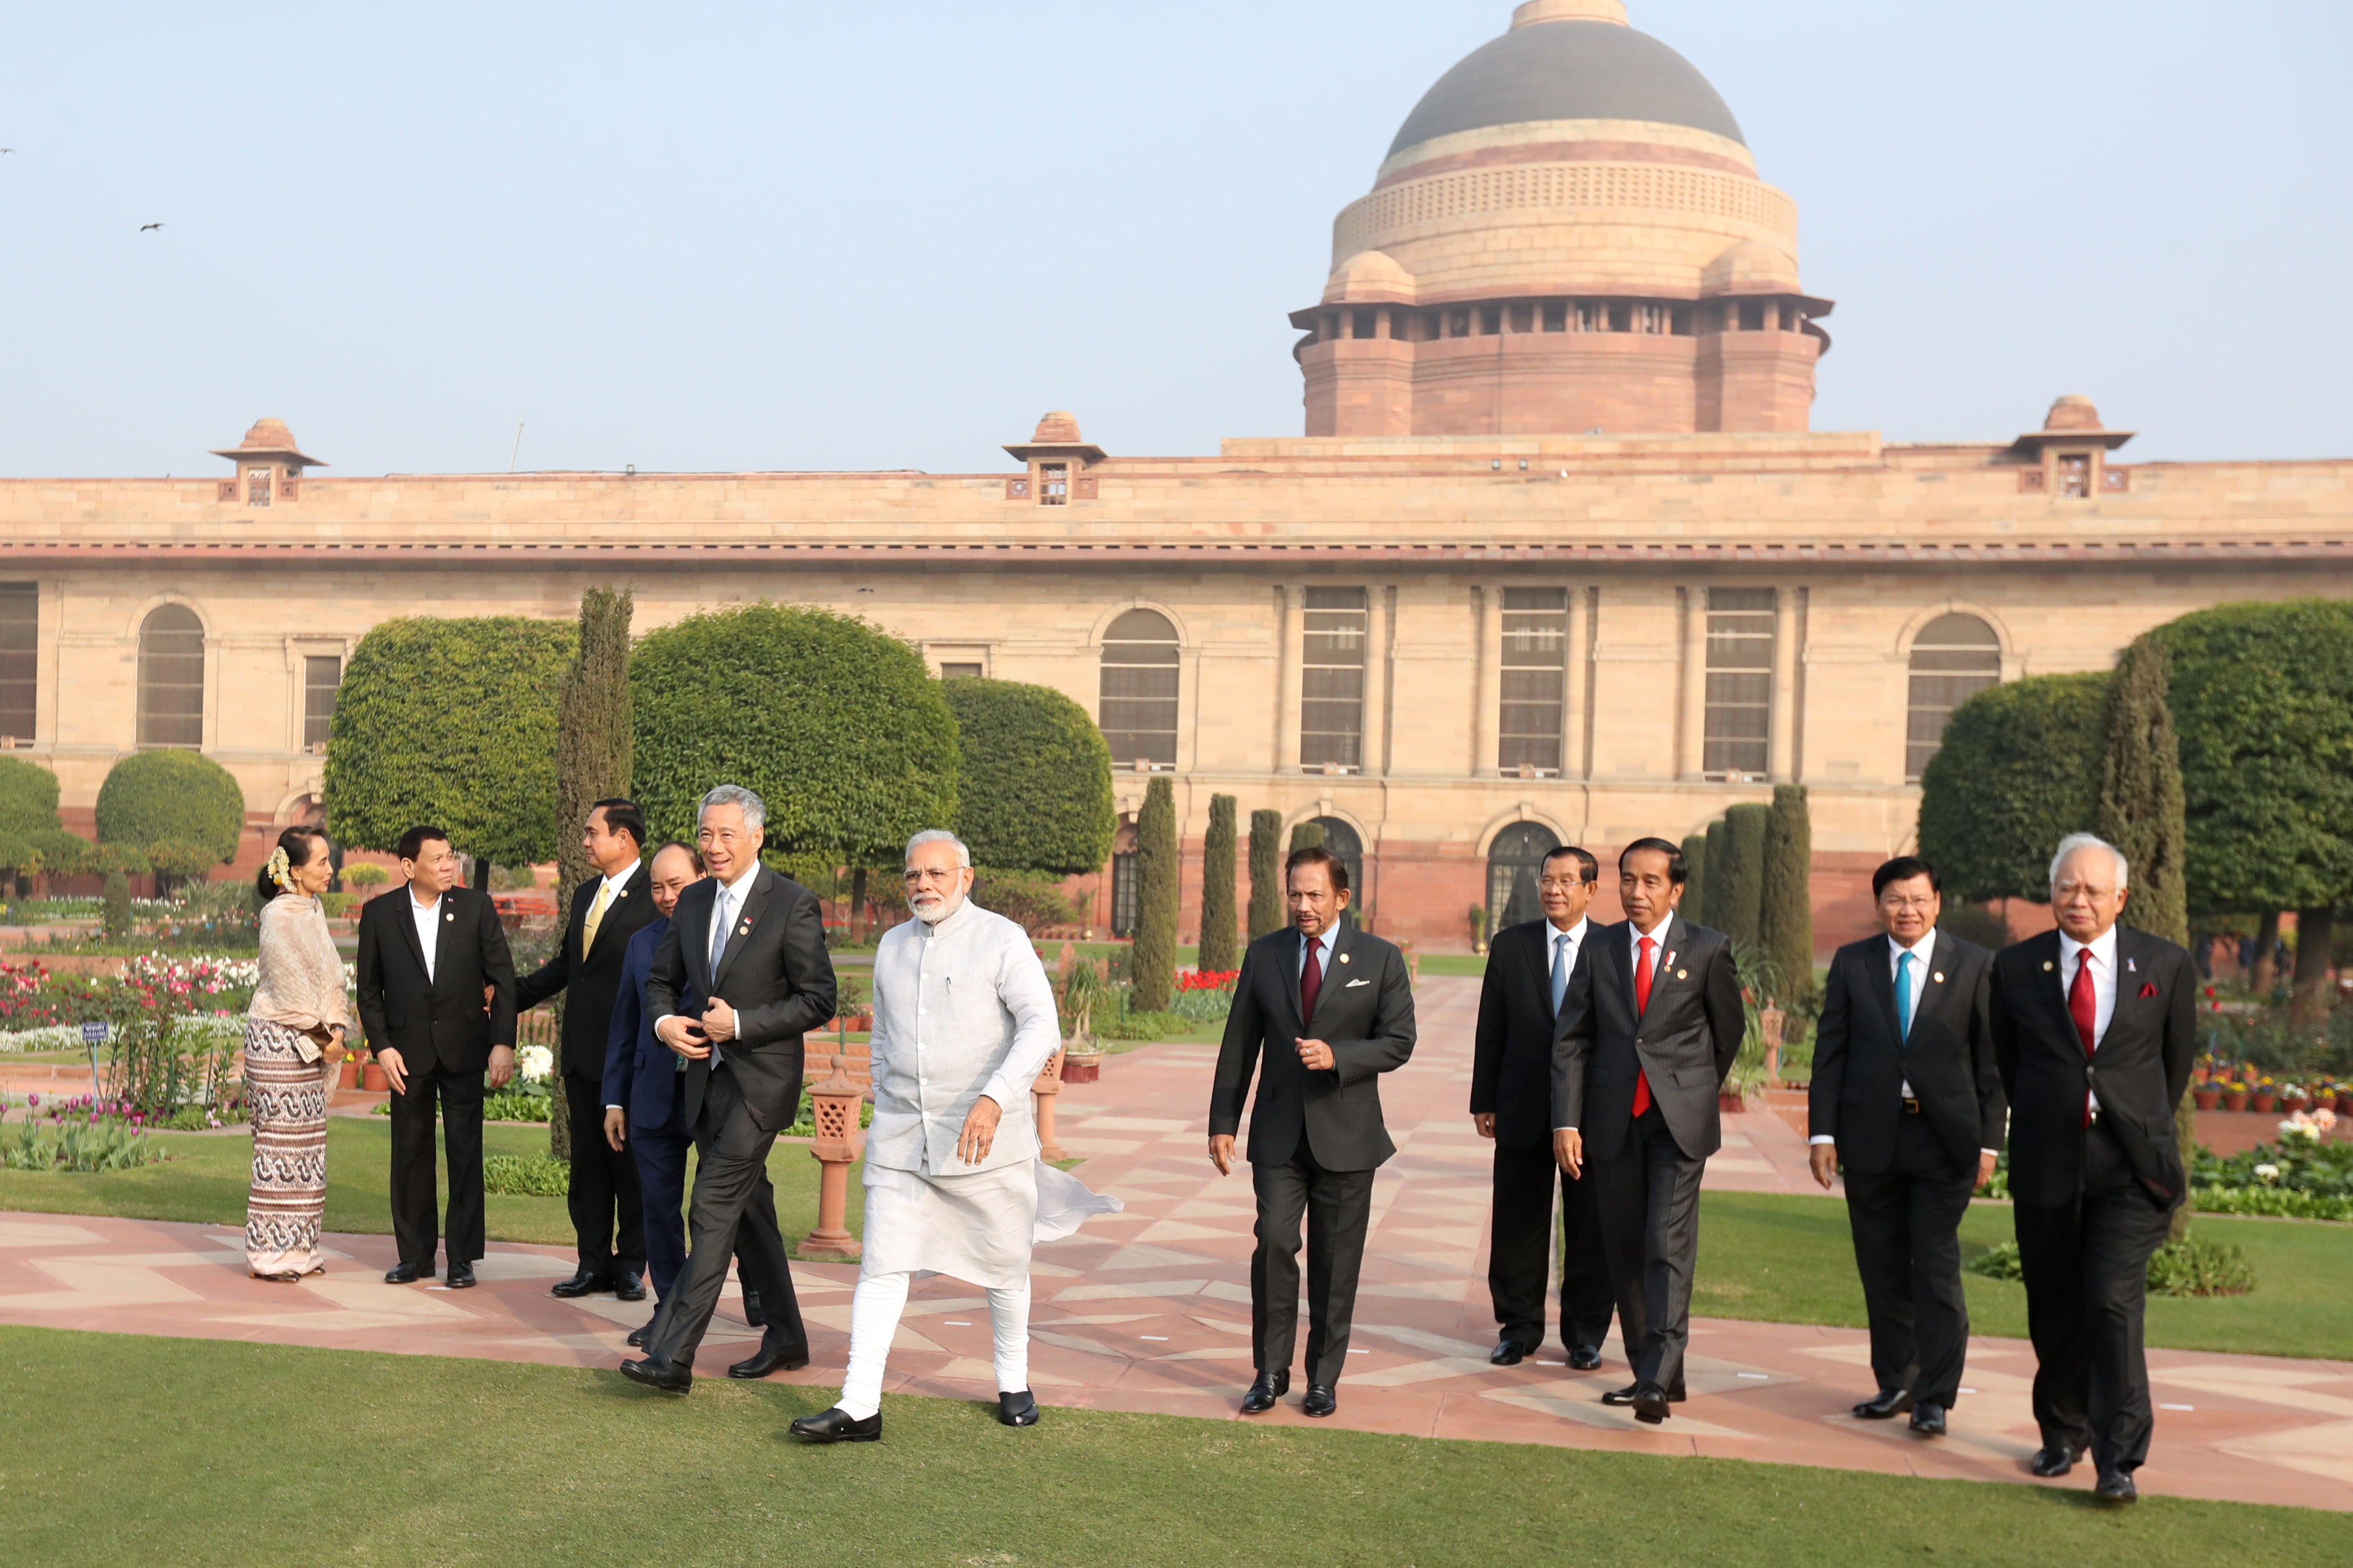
{"x": 2116, "y": 1486}
{"x": 1626, "y": 1396}
{"x": 638, "y": 1336}
{"x": 584, "y": 1283}
{"x": 1270, "y": 1387}
{"x": 1509, "y": 1353}
{"x": 656, "y": 1372}
{"x": 835, "y": 1426}
{"x": 628, "y": 1286}
{"x": 1650, "y": 1403}
{"x": 1322, "y": 1400}
{"x": 1928, "y": 1418}
{"x": 404, "y": 1274}
{"x": 1016, "y": 1409}
{"x": 1585, "y": 1358}
{"x": 2051, "y": 1462}
{"x": 1884, "y": 1405}
{"x": 764, "y": 1360}
{"x": 753, "y": 1313}
{"x": 460, "y": 1276}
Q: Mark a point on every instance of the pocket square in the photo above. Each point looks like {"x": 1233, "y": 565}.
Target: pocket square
{"x": 2148, "y": 988}
{"x": 1354, "y": 983}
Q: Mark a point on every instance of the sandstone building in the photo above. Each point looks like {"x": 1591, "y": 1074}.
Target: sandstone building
{"x": 1558, "y": 558}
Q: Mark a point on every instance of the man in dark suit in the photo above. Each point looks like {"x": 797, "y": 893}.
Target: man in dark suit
{"x": 1528, "y": 972}
{"x": 2094, "y": 1028}
{"x": 1648, "y": 1030}
{"x": 644, "y": 1110}
{"x": 752, "y": 945}
{"x": 1316, "y": 1133}
{"x": 608, "y": 910}
{"x": 1906, "y": 1097}
{"x": 437, "y": 1001}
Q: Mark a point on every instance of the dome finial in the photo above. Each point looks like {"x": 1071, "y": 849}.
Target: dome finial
{"x": 1570, "y": 11}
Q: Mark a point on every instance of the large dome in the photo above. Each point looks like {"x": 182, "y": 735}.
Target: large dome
{"x": 1569, "y": 69}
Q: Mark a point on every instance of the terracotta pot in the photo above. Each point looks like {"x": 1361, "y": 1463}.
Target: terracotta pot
{"x": 1082, "y": 1067}
{"x": 372, "y": 1079}
{"x": 2235, "y": 1101}
{"x": 1730, "y": 1103}
{"x": 2206, "y": 1098}
{"x": 2344, "y": 1103}
{"x": 2263, "y": 1101}
{"x": 2201, "y": 1075}
{"x": 347, "y": 1075}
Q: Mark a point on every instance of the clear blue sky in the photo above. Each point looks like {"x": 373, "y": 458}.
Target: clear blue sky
{"x": 793, "y": 236}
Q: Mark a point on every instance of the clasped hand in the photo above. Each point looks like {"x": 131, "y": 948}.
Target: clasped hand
{"x": 694, "y": 1040}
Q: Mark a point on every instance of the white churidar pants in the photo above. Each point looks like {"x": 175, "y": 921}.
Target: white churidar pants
{"x": 874, "y": 1313}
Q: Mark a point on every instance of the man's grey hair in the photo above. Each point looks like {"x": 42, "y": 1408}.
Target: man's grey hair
{"x": 2075, "y": 841}
{"x": 756, "y": 810}
{"x": 940, "y": 835}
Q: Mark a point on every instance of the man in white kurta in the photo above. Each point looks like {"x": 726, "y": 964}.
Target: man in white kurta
{"x": 963, "y": 1021}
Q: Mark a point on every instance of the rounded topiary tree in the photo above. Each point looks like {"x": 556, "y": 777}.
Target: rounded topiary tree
{"x": 172, "y": 797}
{"x": 2018, "y": 771}
{"x": 836, "y": 724}
{"x": 28, "y": 797}
{"x": 1034, "y": 794}
{"x": 451, "y": 723}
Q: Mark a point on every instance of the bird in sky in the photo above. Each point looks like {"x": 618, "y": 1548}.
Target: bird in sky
{"x": 145, "y": 227}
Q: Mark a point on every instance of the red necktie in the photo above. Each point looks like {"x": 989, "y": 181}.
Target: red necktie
{"x": 1311, "y": 981}
{"x": 1641, "y": 1004}
{"x": 2083, "y": 1007}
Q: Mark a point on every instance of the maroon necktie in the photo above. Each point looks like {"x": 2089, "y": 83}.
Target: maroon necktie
{"x": 1311, "y": 981}
{"x": 1641, "y": 1003}
{"x": 2083, "y": 1007}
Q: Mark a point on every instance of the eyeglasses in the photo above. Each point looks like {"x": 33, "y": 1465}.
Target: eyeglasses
{"x": 1560, "y": 884}
{"x": 1902, "y": 905}
{"x": 2070, "y": 889}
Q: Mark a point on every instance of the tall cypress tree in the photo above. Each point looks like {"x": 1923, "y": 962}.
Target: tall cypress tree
{"x": 1695, "y": 879}
{"x": 1785, "y": 926}
{"x": 1152, "y": 965}
{"x": 1712, "y": 903}
{"x": 1738, "y": 903}
{"x": 594, "y": 748}
{"x": 1265, "y": 873}
{"x": 1218, "y": 889}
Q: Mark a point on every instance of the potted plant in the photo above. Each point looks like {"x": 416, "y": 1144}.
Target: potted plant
{"x": 373, "y": 1078}
{"x": 2294, "y": 1098}
{"x": 2263, "y": 1096}
{"x": 2345, "y": 1099}
{"x": 2207, "y": 1096}
{"x": 2234, "y": 1095}
{"x": 1083, "y": 992}
{"x": 347, "y": 1072}
{"x": 1478, "y": 929}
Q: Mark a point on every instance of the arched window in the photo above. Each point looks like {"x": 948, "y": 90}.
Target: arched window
{"x": 1954, "y": 657}
{"x": 172, "y": 677}
{"x": 1514, "y": 861}
{"x": 1138, "y": 712}
{"x": 1341, "y": 840}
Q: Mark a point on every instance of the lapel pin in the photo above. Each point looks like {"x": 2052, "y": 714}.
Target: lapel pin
{"x": 1344, "y": 958}
{"x": 2133, "y": 964}
{"x": 1683, "y": 974}
{"x": 1939, "y": 977}
{"x": 2046, "y": 966}
{"x": 448, "y": 917}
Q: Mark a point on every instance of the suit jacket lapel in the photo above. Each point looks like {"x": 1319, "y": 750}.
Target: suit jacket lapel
{"x": 407, "y": 924}
{"x": 1883, "y": 991}
{"x": 1671, "y": 942}
{"x": 756, "y": 899}
{"x": 612, "y": 908}
{"x": 1332, "y": 980}
{"x": 1540, "y": 967}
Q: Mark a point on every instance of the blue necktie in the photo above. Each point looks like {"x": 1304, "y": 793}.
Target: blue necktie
{"x": 719, "y": 923}
{"x": 1903, "y": 962}
{"x": 1560, "y": 970}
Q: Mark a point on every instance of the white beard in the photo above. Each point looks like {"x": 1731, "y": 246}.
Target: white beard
{"x": 938, "y": 912}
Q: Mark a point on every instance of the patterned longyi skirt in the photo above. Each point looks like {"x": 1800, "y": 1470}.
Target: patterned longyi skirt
{"x": 288, "y": 1098}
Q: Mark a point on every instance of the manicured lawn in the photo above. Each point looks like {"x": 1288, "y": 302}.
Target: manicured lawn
{"x": 1791, "y": 1260}
{"x": 123, "y": 1449}
{"x": 206, "y": 1180}
{"x": 1470, "y": 963}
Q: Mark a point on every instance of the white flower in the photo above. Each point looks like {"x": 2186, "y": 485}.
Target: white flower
{"x": 533, "y": 1063}
{"x": 2300, "y": 1126}
{"x": 2268, "y": 1172}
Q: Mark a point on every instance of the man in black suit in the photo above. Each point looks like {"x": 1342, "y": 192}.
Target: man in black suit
{"x": 2094, "y": 1028}
{"x": 751, "y": 943}
{"x": 1648, "y": 1030}
{"x": 608, "y": 910}
{"x": 1316, "y": 1133}
{"x": 1528, "y": 972}
{"x": 437, "y": 1001}
{"x": 1906, "y": 1097}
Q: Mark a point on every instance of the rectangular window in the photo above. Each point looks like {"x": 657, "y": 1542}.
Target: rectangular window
{"x": 257, "y": 487}
{"x": 1332, "y": 679}
{"x": 1739, "y": 683}
{"x": 20, "y": 660}
{"x": 1054, "y": 484}
{"x": 322, "y": 674}
{"x": 1535, "y": 679}
{"x": 959, "y": 671}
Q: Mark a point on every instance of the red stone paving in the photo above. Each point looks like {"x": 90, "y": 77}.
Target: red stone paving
{"x": 1150, "y": 1310}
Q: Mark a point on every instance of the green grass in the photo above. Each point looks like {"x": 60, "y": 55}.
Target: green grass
{"x": 1791, "y": 1260}
{"x": 1470, "y": 963}
{"x": 206, "y": 1180}
{"x": 125, "y": 1449}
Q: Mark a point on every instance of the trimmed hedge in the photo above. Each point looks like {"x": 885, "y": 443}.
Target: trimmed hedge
{"x": 2019, "y": 770}
{"x": 1266, "y": 905}
{"x": 1737, "y": 896}
{"x": 172, "y": 797}
{"x": 1035, "y": 793}
{"x": 1785, "y": 922}
{"x": 1219, "y": 952}
{"x": 1152, "y": 965}
{"x": 450, "y": 723}
{"x": 836, "y": 724}
{"x": 28, "y": 797}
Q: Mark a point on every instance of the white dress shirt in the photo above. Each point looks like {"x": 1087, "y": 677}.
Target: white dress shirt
{"x": 1921, "y": 952}
{"x": 2103, "y": 949}
{"x": 428, "y": 926}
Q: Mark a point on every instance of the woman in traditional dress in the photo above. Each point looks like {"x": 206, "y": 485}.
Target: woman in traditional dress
{"x": 294, "y": 1039}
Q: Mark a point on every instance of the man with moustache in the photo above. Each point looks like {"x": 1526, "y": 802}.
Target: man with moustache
{"x": 1528, "y": 971}
{"x": 963, "y": 1021}
{"x": 645, "y": 1116}
{"x": 2094, "y": 1029}
{"x": 1648, "y": 1030}
{"x": 750, "y": 945}
{"x": 1905, "y": 1097}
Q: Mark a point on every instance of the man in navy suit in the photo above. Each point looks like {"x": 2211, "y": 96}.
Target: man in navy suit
{"x": 643, "y": 1112}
